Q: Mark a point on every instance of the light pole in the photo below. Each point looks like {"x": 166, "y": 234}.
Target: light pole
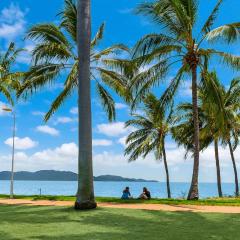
{"x": 13, "y": 147}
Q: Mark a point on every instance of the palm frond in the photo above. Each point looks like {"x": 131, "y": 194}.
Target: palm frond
{"x": 61, "y": 98}
{"x": 7, "y": 94}
{"x": 107, "y": 102}
{"x": 125, "y": 67}
{"x": 225, "y": 58}
{"x": 163, "y": 14}
{"x": 147, "y": 79}
{"x": 152, "y": 42}
{"x": 228, "y": 33}
{"x": 170, "y": 92}
{"x": 211, "y": 19}
{"x": 47, "y": 52}
{"x": 69, "y": 18}
{"x": 38, "y": 76}
{"x": 69, "y": 86}
{"x": 110, "y": 50}
{"x": 48, "y": 33}
{"x": 139, "y": 121}
{"x": 116, "y": 82}
{"x": 98, "y": 37}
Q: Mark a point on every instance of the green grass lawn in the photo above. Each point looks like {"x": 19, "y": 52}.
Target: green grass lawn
{"x": 55, "y": 223}
{"x": 211, "y": 201}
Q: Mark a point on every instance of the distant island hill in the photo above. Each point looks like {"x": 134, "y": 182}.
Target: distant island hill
{"x": 52, "y": 175}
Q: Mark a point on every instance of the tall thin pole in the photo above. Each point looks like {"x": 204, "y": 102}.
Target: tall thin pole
{"x": 13, "y": 154}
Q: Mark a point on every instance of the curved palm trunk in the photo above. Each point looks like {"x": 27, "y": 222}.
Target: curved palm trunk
{"x": 166, "y": 170}
{"x": 85, "y": 194}
{"x": 219, "y": 184}
{"x": 234, "y": 168}
{"x": 193, "y": 191}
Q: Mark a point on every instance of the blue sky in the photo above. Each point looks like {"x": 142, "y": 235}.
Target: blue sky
{"x": 54, "y": 145}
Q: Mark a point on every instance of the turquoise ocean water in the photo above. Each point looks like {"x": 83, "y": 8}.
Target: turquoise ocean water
{"x": 111, "y": 189}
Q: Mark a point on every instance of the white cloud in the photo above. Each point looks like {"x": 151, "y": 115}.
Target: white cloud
{"x": 29, "y": 46}
{"x": 65, "y": 158}
{"x": 139, "y": 112}
{"x": 145, "y": 68}
{"x": 102, "y": 142}
{"x": 114, "y": 129}
{"x": 64, "y": 152}
{"x": 170, "y": 145}
{"x": 180, "y": 169}
{"x": 48, "y": 130}
{"x": 120, "y": 106}
{"x": 67, "y": 149}
{"x": 25, "y": 56}
{"x": 38, "y": 113}
{"x": 122, "y": 140}
{"x": 12, "y": 22}
{"x": 186, "y": 89}
{"x": 64, "y": 120}
{"x": 74, "y": 110}
{"x": 21, "y": 143}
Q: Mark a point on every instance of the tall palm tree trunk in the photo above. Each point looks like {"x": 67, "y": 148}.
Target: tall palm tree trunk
{"x": 218, "y": 168}
{"x": 166, "y": 170}
{"x": 193, "y": 191}
{"x": 234, "y": 168}
{"x": 85, "y": 194}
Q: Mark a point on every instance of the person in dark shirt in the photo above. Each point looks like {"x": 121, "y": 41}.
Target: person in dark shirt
{"x": 146, "y": 195}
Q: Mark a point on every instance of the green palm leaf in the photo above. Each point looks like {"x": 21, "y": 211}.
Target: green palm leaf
{"x": 107, "y": 101}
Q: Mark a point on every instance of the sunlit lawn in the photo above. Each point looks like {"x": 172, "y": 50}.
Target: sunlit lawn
{"x": 53, "y": 223}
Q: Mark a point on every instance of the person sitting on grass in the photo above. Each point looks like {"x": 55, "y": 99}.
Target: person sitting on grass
{"x": 146, "y": 195}
{"x": 126, "y": 194}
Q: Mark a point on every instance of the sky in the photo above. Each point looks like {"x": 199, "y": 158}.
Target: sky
{"x": 53, "y": 145}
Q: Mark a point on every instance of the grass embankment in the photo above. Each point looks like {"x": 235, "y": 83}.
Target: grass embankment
{"x": 209, "y": 202}
{"x": 55, "y": 223}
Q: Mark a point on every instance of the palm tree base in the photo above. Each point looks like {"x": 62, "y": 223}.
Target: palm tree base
{"x": 192, "y": 197}
{"x": 85, "y": 205}
{"x": 193, "y": 194}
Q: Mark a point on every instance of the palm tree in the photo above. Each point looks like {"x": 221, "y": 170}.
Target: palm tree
{"x": 56, "y": 53}
{"x": 10, "y": 80}
{"x": 66, "y": 48}
{"x": 231, "y": 129}
{"x": 183, "y": 134}
{"x": 85, "y": 194}
{"x": 210, "y": 120}
{"x": 153, "y": 126}
{"x": 211, "y": 96}
{"x": 234, "y": 168}
{"x": 218, "y": 119}
{"x": 225, "y": 118}
{"x": 61, "y": 49}
{"x": 177, "y": 45}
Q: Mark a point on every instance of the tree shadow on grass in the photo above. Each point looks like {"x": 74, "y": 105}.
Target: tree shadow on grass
{"x": 6, "y": 236}
{"x": 55, "y": 223}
